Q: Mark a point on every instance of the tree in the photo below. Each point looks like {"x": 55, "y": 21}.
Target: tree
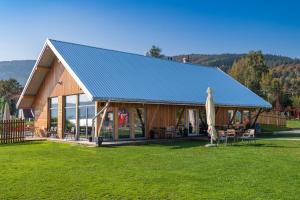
{"x": 249, "y": 70}
{"x": 267, "y": 87}
{"x": 296, "y": 101}
{"x": 155, "y": 51}
{"x": 10, "y": 91}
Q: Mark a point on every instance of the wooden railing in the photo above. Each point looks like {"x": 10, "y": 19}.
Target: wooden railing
{"x": 12, "y": 131}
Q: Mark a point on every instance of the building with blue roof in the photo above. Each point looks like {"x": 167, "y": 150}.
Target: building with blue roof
{"x": 80, "y": 91}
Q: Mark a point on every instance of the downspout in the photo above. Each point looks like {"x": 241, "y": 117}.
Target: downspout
{"x": 104, "y": 109}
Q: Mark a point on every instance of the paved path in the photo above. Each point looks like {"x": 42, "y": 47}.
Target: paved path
{"x": 296, "y": 131}
{"x": 286, "y": 139}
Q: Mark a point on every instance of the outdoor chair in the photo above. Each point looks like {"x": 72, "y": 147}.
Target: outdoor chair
{"x": 222, "y": 137}
{"x": 231, "y": 135}
{"x": 52, "y": 132}
{"x": 70, "y": 133}
{"x": 249, "y": 135}
{"x": 170, "y": 132}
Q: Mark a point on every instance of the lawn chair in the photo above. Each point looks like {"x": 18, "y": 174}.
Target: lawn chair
{"x": 70, "y": 133}
{"x": 222, "y": 137}
{"x": 249, "y": 136}
{"x": 52, "y": 132}
{"x": 170, "y": 132}
{"x": 231, "y": 135}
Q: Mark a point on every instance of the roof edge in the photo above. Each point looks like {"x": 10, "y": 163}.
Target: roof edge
{"x": 31, "y": 74}
{"x": 145, "y": 101}
{"x": 69, "y": 69}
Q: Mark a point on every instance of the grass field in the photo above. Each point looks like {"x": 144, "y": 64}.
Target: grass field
{"x": 179, "y": 170}
{"x": 293, "y": 124}
{"x": 290, "y": 124}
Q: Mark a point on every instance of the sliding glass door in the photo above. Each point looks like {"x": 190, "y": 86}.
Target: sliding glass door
{"x": 70, "y": 114}
{"x": 86, "y": 114}
{"x": 124, "y": 123}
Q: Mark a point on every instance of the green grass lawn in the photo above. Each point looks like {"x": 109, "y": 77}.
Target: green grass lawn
{"x": 179, "y": 170}
{"x": 293, "y": 124}
{"x": 269, "y": 128}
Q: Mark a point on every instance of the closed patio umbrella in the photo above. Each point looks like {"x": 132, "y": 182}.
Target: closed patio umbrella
{"x": 6, "y": 113}
{"x": 210, "y": 117}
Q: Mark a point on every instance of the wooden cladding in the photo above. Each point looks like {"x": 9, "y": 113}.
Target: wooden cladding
{"x": 58, "y": 82}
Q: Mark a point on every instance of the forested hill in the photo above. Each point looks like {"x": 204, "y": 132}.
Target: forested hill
{"x": 17, "y": 69}
{"x": 225, "y": 61}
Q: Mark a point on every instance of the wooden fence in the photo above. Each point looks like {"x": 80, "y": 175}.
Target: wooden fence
{"x": 271, "y": 118}
{"x": 12, "y": 131}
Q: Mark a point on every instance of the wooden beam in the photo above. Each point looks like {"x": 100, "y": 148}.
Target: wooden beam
{"x": 256, "y": 117}
{"x": 28, "y": 96}
{"x": 233, "y": 116}
{"x": 102, "y": 120}
{"x": 141, "y": 120}
{"x": 42, "y": 68}
{"x": 180, "y": 117}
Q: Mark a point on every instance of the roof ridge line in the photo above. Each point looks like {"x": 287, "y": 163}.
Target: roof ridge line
{"x": 136, "y": 54}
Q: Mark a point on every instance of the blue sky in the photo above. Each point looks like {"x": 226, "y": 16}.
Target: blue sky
{"x": 202, "y": 26}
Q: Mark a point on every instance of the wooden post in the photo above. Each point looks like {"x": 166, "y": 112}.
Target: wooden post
{"x": 60, "y": 117}
{"x": 180, "y": 117}
{"x": 141, "y": 119}
{"x": 256, "y": 117}
{"x": 116, "y": 123}
{"x": 131, "y": 122}
{"x": 102, "y": 119}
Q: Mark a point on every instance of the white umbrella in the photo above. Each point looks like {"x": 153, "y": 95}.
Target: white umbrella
{"x": 210, "y": 116}
{"x": 6, "y": 113}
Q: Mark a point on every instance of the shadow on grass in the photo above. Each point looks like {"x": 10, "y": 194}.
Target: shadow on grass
{"x": 271, "y": 135}
{"x": 22, "y": 143}
{"x": 169, "y": 144}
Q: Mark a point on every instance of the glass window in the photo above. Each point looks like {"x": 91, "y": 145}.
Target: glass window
{"x": 230, "y": 115}
{"x": 70, "y": 113}
{"x": 84, "y": 101}
{"x": 86, "y": 115}
{"x": 108, "y": 125}
{"x": 238, "y": 117}
{"x": 53, "y": 111}
{"x": 71, "y": 101}
{"x": 139, "y": 122}
{"x": 123, "y": 123}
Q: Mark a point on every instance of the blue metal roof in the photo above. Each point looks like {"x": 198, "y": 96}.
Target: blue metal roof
{"x": 120, "y": 76}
